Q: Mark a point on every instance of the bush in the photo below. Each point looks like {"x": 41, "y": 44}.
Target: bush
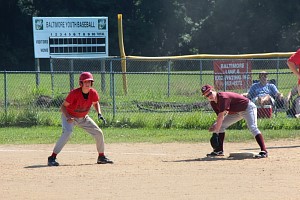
{"x": 36, "y": 116}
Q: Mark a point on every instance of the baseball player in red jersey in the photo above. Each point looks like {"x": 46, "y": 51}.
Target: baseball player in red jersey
{"x": 75, "y": 110}
{"x": 230, "y": 108}
{"x": 294, "y": 64}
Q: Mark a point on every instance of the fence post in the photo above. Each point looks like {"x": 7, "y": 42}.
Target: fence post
{"x": 277, "y": 71}
{"x": 111, "y": 78}
{"x": 52, "y": 76}
{"x": 169, "y": 71}
{"x": 114, "y": 95}
{"x": 5, "y": 93}
{"x": 201, "y": 69}
{"x": 225, "y": 84}
{"x": 247, "y": 71}
{"x": 102, "y": 71}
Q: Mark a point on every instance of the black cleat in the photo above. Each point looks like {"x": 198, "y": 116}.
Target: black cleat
{"x": 104, "y": 160}
{"x": 215, "y": 154}
{"x": 52, "y": 162}
{"x": 262, "y": 154}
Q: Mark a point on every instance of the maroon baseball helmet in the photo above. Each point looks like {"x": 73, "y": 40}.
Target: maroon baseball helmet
{"x": 86, "y": 76}
{"x": 206, "y": 89}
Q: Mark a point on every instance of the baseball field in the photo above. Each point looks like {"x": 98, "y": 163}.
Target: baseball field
{"x": 151, "y": 171}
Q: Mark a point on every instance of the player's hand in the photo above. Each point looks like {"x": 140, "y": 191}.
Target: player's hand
{"x": 70, "y": 120}
{"x": 100, "y": 117}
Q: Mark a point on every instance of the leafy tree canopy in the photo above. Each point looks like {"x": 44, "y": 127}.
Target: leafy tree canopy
{"x": 160, "y": 28}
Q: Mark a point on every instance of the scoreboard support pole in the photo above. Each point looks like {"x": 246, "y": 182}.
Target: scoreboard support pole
{"x": 37, "y": 69}
{"x": 71, "y": 74}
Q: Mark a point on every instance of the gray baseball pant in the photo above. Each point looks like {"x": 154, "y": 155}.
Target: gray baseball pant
{"x": 250, "y": 115}
{"x": 87, "y": 124}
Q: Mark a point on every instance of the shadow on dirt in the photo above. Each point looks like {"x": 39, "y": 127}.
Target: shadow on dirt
{"x": 42, "y": 166}
{"x": 212, "y": 159}
{"x": 280, "y": 147}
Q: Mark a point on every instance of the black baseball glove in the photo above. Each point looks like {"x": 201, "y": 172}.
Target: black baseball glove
{"x": 100, "y": 117}
{"x": 215, "y": 141}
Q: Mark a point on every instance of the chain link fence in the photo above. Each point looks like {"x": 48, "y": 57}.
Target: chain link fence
{"x": 152, "y": 86}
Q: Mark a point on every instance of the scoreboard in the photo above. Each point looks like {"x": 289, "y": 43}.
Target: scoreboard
{"x": 70, "y": 37}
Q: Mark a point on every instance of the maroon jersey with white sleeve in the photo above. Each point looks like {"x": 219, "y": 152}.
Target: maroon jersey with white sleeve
{"x": 229, "y": 101}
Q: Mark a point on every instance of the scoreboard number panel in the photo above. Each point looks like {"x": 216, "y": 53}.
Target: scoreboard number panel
{"x": 70, "y": 37}
{"x": 69, "y": 46}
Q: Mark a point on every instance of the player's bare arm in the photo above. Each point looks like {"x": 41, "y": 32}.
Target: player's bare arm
{"x": 212, "y": 127}
{"x": 293, "y": 68}
{"x": 219, "y": 121}
{"x": 97, "y": 107}
{"x": 63, "y": 109}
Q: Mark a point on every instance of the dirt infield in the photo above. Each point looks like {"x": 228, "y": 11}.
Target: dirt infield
{"x": 150, "y": 171}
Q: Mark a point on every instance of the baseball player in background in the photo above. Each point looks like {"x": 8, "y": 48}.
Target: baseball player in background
{"x": 75, "y": 110}
{"x": 230, "y": 108}
{"x": 294, "y": 64}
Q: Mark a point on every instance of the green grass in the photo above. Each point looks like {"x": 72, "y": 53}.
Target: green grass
{"x": 146, "y": 120}
{"x": 130, "y": 125}
{"x": 142, "y": 87}
{"x": 49, "y": 135}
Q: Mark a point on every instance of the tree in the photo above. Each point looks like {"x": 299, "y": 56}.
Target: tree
{"x": 160, "y": 28}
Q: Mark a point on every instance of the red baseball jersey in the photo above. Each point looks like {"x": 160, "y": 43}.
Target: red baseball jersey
{"x": 295, "y": 58}
{"x": 79, "y": 107}
{"x": 229, "y": 101}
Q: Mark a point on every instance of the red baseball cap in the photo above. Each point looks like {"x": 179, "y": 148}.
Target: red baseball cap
{"x": 206, "y": 89}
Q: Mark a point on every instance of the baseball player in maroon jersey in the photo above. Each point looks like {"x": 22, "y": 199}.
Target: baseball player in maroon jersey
{"x": 75, "y": 110}
{"x": 230, "y": 108}
{"x": 294, "y": 64}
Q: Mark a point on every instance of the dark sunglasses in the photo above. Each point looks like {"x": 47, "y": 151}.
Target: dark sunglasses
{"x": 208, "y": 94}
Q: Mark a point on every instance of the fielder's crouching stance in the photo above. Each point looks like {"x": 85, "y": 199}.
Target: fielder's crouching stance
{"x": 230, "y": 108}
{"x": 75, "y": 110}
